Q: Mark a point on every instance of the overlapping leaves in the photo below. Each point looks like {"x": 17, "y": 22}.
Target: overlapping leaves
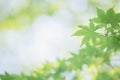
{"x": 110, "y": 17}
{"x": 108, "y": 20}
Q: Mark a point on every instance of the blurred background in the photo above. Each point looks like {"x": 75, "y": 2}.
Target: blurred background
{"x": 35, "y": 31}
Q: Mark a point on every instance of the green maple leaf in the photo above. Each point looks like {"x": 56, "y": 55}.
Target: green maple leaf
{"x": 88, "y": 33}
